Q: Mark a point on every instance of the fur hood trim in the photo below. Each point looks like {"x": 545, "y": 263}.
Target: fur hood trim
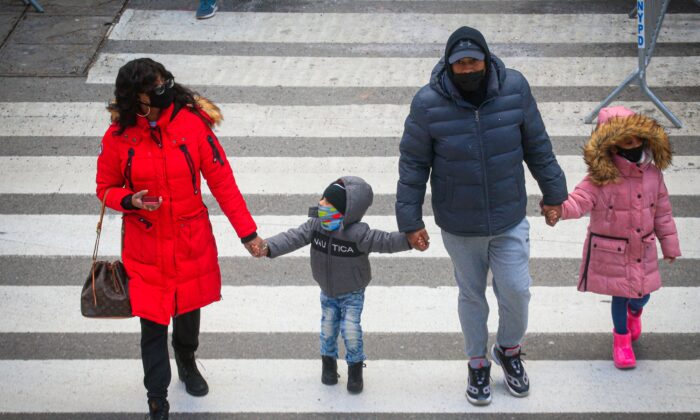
{"x": 207, "y": 108}
{"x": 598, "y": 153}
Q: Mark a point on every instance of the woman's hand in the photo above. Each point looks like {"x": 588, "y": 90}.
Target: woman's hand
{"x": 670, "y": 259}
{"x": 257, "y": 247}
{"x": 137, "y": 201}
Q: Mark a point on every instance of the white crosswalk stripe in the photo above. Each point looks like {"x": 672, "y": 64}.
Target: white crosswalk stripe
{"x": 284, "y": 175}
{"x": 36, "y": 380}
{"x": 81, "y": 119}
{"x": 362, "y": 72}
{"x": 239, "y": 312}
{"x": 391, "y": 386}
{"x": 54, "y": 235}
{"x": 403, "y": 28}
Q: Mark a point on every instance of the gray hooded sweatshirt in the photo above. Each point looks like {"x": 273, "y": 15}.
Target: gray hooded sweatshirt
{"x": 340, "y": 258}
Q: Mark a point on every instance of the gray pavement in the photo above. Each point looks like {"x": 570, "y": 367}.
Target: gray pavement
{"x": 60, "y": 42}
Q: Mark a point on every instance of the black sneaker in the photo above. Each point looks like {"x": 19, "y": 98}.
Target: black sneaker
{"x": 515, "y": 378}
{"x": 478, "y": 386}
{"x": 329, "y": 374}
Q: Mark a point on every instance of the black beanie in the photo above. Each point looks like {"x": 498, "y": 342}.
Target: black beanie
{"x": 335, "y": 194}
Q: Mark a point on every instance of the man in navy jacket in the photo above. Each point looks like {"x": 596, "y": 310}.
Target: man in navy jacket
{"x": 468, "y": 132}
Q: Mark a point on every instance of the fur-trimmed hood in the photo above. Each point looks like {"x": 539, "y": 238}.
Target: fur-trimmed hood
{"x": 598, "y": 153}
{"x": 209, "y": 110}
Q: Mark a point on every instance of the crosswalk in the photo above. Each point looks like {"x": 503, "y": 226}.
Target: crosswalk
{"x": 314, "y": 88}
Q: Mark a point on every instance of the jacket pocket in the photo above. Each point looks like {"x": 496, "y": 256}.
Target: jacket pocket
{"x": 140, "y": 239}
{"x": 651, "y": 253}
{"x": 191, "y": 166}
{"x": 605, "y": 258}
{"x": 195, "y": 236}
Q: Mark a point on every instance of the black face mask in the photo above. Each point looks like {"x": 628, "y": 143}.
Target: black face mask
{"x": 633, "y": 155}
{"x": 468, "y": 82}
{"x": 163, "y": 100}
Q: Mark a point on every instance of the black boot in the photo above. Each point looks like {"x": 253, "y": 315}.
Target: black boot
{"x": 355, "y": 383}
{"x": 329, "y": 375}
{"x": 158, "y": 409}
{"x": 189, "y": 374}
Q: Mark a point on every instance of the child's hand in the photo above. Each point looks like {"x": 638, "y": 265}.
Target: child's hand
{"x": 552, "y": 214}
{"x": 419, "y": 239}
{"x": 552, "y": 217}
{"x": 670, "y": 259}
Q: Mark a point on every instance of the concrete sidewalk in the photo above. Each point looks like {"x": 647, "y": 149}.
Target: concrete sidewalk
{"x": 60, "y": 42}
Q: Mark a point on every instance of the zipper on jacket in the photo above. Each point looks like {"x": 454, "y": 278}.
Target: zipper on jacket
{"x": 127, "y": 169}
{"x": 215, "y": 151}
{"x": 584, "y": 278}
{"x": 484, "y": 169}
{"x": 159, "y": 138}
{"x": 190, "y": 165}
{"x": 145, "y": 222}
{"x": 328, "y": 266}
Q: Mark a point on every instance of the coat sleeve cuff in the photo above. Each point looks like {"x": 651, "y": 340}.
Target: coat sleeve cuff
{"x": 249, "y": 237}
{"x": 127, "y": 204}
{"x": 670, "y": 246}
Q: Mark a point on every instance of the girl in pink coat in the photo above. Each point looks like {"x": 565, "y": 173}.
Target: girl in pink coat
{"x": 630, "y": 211}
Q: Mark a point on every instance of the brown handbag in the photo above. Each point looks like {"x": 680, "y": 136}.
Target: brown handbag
{"x": 105, "y": 293}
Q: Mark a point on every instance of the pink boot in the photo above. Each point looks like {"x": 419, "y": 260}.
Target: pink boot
{"x": 623, "y": 355}
{"x": 634, "y": 324}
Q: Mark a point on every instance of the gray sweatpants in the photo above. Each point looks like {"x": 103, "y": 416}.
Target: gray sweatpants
{"x": 507, "y": 256}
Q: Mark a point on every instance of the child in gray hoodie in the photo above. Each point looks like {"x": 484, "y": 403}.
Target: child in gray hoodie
{"x": 340, "y": 247}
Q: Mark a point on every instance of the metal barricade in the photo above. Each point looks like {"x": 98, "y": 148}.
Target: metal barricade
{"x": 650, "y": 17}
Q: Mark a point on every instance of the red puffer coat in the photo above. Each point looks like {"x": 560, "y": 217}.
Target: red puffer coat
{"x": 170, "y": 254}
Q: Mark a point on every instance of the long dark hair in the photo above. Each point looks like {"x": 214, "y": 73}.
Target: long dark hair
{"x": 139, "y": 76}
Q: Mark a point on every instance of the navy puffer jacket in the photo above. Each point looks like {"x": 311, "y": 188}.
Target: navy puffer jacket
{"x": 473, "y": 156}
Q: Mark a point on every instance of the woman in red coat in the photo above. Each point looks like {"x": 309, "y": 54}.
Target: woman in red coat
{"x": 151, "y": 158}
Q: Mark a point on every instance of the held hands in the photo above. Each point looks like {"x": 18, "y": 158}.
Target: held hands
{"x": 137, "y": 200}
{"x": 257, "y": 247}
{"x": 419, "y": 239}
{"x": 552, "y": 214}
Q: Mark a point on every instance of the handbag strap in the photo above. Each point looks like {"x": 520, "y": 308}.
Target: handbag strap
{"x": 97, "y": 245}
{"x": 99, "y": 226}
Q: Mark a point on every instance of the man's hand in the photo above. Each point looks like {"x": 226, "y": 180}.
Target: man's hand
{"x": 137, "y": 201}
{"x": 419, "y": 239}
{"x": 552, "y": 214}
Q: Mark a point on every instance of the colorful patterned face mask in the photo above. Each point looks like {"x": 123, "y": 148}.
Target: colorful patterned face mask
{"x": 330, "y": 217}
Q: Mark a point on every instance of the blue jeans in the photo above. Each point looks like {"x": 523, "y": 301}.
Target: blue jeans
{"x": 342, "y": 314}
{"x": 619, "y": 310}
{"x": 506, "y": 255}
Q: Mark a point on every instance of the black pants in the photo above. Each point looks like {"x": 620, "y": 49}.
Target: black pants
{"x": 154, "y": 349}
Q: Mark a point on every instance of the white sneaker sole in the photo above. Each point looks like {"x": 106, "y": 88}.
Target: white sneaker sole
{"x": 209, "y": 15}
{"x": 472, "y": 401}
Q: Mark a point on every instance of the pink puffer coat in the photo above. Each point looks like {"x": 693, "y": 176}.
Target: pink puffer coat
{"x": 629, "y": 210}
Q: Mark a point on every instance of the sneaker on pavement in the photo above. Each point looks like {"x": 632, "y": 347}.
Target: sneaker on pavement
{"x": 206, "y": 9}
{"x": 515, "y": 378}
{"x": 479, "y": 385}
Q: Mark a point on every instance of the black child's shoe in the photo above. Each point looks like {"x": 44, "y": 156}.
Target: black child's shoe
{"x": 479, "y": 385}
{"x": 329, "y": 374}
{"x": 158, "y": 409}
{"x": 355, "y": 383}
{"x": 189, "y": 374}
{"x": 515, "y": 378}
